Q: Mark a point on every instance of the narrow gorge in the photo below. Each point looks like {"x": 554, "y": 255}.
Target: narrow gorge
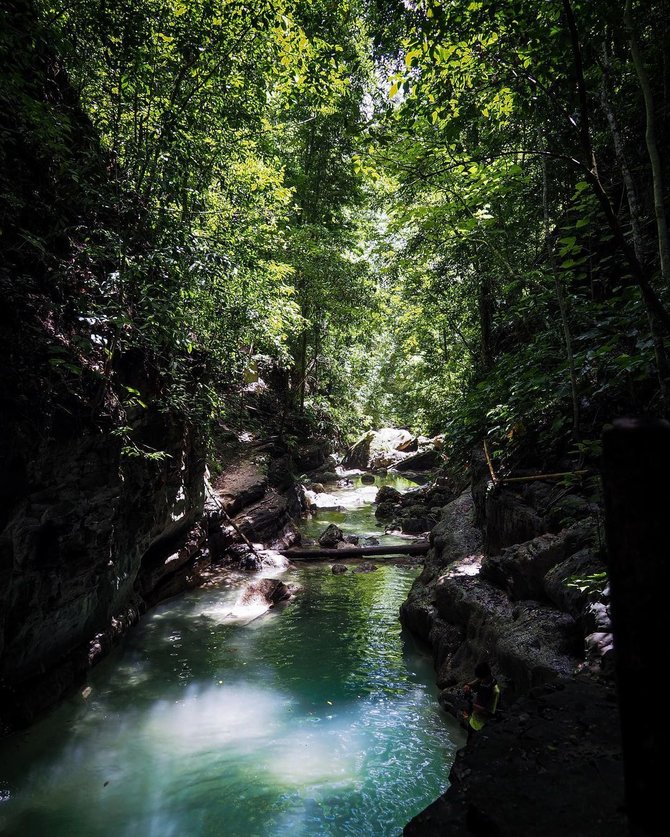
{"x": 333, "y": 364}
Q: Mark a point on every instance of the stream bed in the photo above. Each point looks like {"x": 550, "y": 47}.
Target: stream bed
{"x": 319, "y": 717}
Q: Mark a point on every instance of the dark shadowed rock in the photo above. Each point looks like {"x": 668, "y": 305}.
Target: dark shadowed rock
{"x": 327, "y": 476}
{"x": 520, "y": 570}
{"x": 242, "y": 557}
{"x": 261, "y": 521}
{"x": 331, "y": 537}
{"x": 566, "y": 511}
{"x": 160, "y": 575}
{"x": 509, "y": 520}
{"x": 551, "y": 767}
{"x": 310, "y": 456}
{"x": 81, "y": 526}
{"x": 338, "y": 569}
{"x": 385, "y": 510}
{"x": 358, "y": 454}
{"x": 550, "y": 646}
{"x": 280, "y": 472}
{"x": 577, "y": 582}
{"x": 417, "y": 525}
{"x": 388, "y": 494}
{"x": 423, "y": 461}
{"x": 250, "y": 563}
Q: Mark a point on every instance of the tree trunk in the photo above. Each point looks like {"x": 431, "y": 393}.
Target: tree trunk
{"x": 649, "y": 295}
{"x": 652, "y": 148}
{"x": 635, "y": 222}
{"x": 619, "y": 150}
{"x": 302, "y": 371}
{"x": 317, "y": 350}
{"x": 562, "y": 305}
{"x": 485, "y": 307}
{"x": 445, "y": 344}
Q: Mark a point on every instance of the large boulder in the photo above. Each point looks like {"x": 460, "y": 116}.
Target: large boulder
{"x": 322, "y": 500}
{"x": 453, "y": 537}
{"x": 378, "y": 449}
{"x": 417, "y": 524}
{"x": 270, "y": 520}
{"x": 246, "y": 559}
{"x": 358, "y": 455}
{"x": 386, "y": 510}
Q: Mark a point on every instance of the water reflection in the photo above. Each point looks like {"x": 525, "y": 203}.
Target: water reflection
{"x": 321, "y": 719}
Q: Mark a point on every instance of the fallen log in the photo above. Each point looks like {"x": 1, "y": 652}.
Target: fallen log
{"x": 298, "y": 554}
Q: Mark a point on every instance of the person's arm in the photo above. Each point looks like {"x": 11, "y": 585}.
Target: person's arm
{"x": 483, "y": 711}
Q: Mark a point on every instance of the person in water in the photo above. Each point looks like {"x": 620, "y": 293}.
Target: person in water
{"x": 482, "y": 695}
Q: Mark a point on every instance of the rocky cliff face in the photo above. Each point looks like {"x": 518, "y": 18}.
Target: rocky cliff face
{"x": 94, "y": 533}
{"x": 82, "y": 523}
{"x": 551, "y": 767}
{"x": 511, "y": 577}
{"x": 96, "y": 487}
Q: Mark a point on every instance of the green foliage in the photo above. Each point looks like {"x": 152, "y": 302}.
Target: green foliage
{"x": 132, "y": 450}
{"x": 593, "y": 584}
{"x": 226, "y": 216}
{"x": 421, "y": 213}
{"x": 518, "y": 317}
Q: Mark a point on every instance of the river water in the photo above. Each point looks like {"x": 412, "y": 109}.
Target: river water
{"x": 318, "y": 718}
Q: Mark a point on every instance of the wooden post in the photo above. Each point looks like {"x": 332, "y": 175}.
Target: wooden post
{"x": 636, "y": 480}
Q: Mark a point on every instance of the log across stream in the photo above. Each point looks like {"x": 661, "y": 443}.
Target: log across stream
{"x": 306, "y": 553}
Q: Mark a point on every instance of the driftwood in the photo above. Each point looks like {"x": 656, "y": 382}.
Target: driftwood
{"x": 297, "y": 554}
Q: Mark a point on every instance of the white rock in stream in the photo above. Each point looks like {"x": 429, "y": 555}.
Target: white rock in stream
{"x": 273, "y": 559}
{"x": 324, "y": 502}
